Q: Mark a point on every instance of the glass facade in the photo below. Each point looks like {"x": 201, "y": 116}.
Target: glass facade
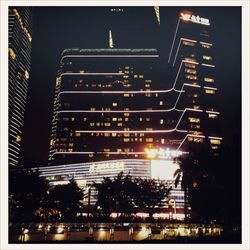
{"x": 20, "y": 40}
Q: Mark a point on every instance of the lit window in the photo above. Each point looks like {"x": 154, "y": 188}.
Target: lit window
{"x": 190, "y": 65}
{"x": 113, "y": 134}
{"x": 209, "y": 91}
{"x": 126, "y": 119}
{"x": 192, "y": 77}
{"x": 119, "y": 124}
{"x": 162, "y": 141}
{"x": 194, "y": 119}
{"x": 191, "y": 71}
{"x": 199, "y": 140}
{"x": 135, "y": 76}
{"x": 196, "y": 107}
{"x": 190, "y": 59}
{"x": 65, "y": 118}
{"x": 107, "y": 134}
{"x": 114, "y": 119}
{"x": 208, "y": 58}
{"x": 212, "y": 116}
{"x": 208, "y": 79}
{"x": 207, "y": 46}
{"x": 114, "y": 104}
{"x": 188, "y": 43}
{"x": 107, "y": 124}
{"x": 92, "y": 109}
{"x": 147, "y": 119}
{"x": 149, "y": 129}
{"x": 82, "y": 71}
{"x": 195, "y": 126}
{"x": 215, "y": 141}
{"x": 12, "y": 54}
{"x": 126, "y": 135}
{"x": 161, "y": 103}
{"x": 141, "y": 76}
{"x": 18, "y": 138}
{"x": 92, "y": 124}
{"x": 126, "y": 114}
{"x": 126, "y": 95}
{"x": 77, "y": 134}
{"x": 126, "y": 139}
{"x": 161, "y": 121}
{"x": 149, "y": 139}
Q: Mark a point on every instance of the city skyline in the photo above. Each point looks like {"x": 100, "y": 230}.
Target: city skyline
{"x": 31, "y": 128}
{"x": 132, "y": 128}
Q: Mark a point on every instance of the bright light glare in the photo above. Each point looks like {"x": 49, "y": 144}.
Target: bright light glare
{"x": 163, "y": 169}
{"x": 60, "y": 230}
{"x": 25, "y": 231}
{"x": 151, "y": 152}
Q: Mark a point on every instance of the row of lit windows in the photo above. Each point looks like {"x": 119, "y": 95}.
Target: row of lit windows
{"x": 192, "y": 44}
{"x": 25, "y": 30}
{"x": 209, "y": 91}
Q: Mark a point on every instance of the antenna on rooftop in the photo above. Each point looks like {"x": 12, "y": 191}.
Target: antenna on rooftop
{"x": 111, "y": 44}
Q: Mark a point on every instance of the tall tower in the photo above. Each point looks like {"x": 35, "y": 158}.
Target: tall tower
{"x": 20, "y": 40}
{"x": 193, "y": 65}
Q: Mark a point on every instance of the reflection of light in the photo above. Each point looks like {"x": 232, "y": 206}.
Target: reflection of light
{"x": 144, "y": 229}
{"x": 143, "y": 215}
{"x": 115, "y": 215}
{"x": 40, "y": 226}
{"x": 161, "y": 215}
{"x": 151, "y": 152}
{"x": 60, "y": 230}
{"x": 101, "y": 229}
{"x": 25, "y": 231}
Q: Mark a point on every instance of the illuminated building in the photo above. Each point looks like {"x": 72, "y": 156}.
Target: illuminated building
{"x": 116, "y": 105}
{"x": 193, "y": 64}
{"x": 20, "y": 39}
{"x": 87, "y": 173}
{"x": 109, "y": 104}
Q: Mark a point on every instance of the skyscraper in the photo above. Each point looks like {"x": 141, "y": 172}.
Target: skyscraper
{"x": 107, "y": 105}
{"x": 20, "y": 39}
{"x": 118, "y": 104}
{"x": 192, "y": 61}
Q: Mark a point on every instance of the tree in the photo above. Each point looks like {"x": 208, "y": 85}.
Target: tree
{"x": 116, "y": 195}
{"x": 27, "y": 191}
{"x": 189, "y": 175}
{"x": 150, "y": 194}
{"x": 67, "y": 198}
{"x": 126, "y": 195}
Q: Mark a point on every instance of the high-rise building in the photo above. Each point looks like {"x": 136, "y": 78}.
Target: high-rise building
{"x": 193, "y": 69}
{"x": 20, "y": 39}
{"x": 126, "y": 105}
{"x": 117, "y": 104}
{"x": 108, "y": 105}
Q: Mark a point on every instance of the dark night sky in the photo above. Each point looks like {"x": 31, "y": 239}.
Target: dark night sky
{"x": 58, "y": 28}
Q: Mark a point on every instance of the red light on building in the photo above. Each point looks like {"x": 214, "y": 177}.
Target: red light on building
{"x": 185, "y": 16}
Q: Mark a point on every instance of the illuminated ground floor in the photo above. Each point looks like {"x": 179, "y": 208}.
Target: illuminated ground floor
{"x": 86, "y": 174}
{"x": 116, "y": 232}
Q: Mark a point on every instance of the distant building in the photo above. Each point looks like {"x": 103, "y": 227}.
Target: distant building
{"x": 20, "y": 40}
